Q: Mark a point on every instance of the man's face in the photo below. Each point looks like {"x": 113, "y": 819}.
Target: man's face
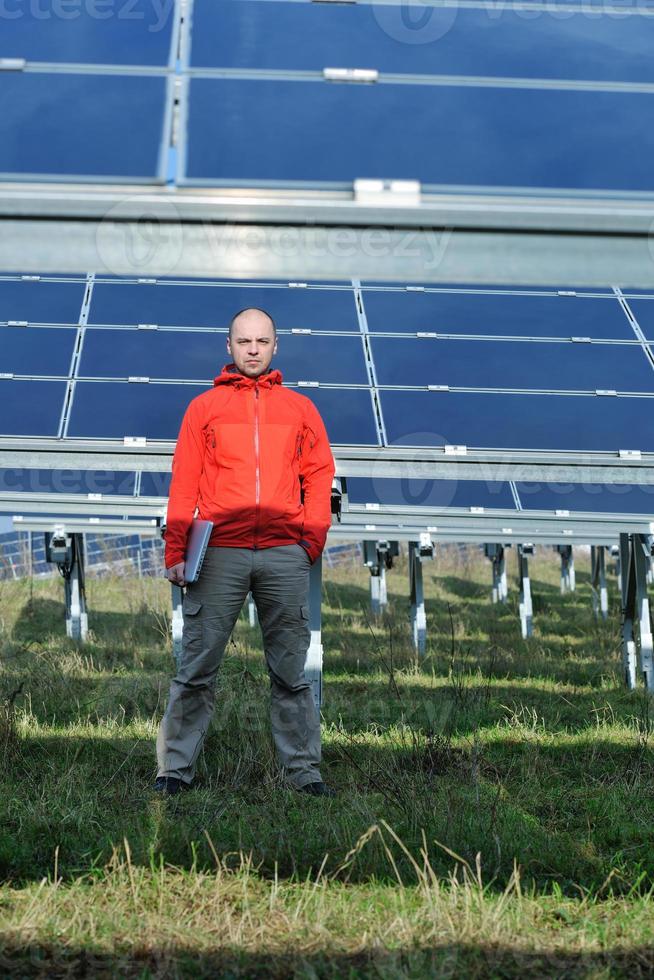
{"x": 252, "y": 343}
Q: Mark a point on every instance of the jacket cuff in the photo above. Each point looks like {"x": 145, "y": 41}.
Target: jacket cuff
{"x": 173, "y": 559}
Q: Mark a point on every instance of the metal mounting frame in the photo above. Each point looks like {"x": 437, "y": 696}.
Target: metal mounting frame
{"x": 526, "y": 606}
{"x": 598, "y": 581}
{"x": 567, "y": 568}
{"x": 635, "y": 553}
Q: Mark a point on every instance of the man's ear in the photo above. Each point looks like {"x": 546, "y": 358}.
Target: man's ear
{"x": 229, "y": 345}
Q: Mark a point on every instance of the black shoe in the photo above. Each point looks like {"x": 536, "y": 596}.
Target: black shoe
{"x": 170, "y": 785}
{"x": 318, "y": 789}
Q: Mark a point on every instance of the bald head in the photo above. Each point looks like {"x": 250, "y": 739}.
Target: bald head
{"x": 252, "y": 341}
{"x": 254, "y": 315}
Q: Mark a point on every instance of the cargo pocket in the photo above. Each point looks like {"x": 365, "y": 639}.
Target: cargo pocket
{"x": 192, "y": 632}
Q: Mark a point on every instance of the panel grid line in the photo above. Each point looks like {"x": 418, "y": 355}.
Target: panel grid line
{"x": 636, "y": 327}
{"x": 75, "y": 360}
{"x": 370, "y": 364}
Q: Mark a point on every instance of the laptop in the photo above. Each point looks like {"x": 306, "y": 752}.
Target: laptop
{"x": 196, "y": 548}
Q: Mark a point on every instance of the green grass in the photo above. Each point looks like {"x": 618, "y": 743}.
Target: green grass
{"x": 495, "y": 808}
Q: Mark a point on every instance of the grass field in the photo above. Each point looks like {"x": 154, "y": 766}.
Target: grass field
{"x": 495, "y": 812}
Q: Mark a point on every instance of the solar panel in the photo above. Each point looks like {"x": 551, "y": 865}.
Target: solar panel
{"x": 40, "y": 301}
{"x": 155, "y": 484}
{"x": 105, "y": 482}
{"x": 617, "y": 498}
{"x": 41, "y": 351}
{"x": 548, "y": 315}
{"x": 135, "y": 33}
{"x": 31, "y": 408}
{"x": 643, "y": 310}
{"x": 214, "y": 305}
{"x": 117, "y": 128}
{"x": 305, "y": 36}
{"x": 549, "y": 365}
{"x": 324, "y": 134}
{"x": 578, "y": 423}
{"x": 437, "y": 494}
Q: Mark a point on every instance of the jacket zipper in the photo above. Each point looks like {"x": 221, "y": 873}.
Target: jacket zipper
{"x": 257, "y": 480}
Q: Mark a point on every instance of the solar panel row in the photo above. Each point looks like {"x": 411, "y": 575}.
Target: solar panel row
{"x": 558, "y": 99}
{"x": 101, "y": 363}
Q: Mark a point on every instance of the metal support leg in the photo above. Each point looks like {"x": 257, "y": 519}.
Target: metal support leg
{"x": 375, "y": 559}
{"x": 642, "y": 554}
{"x": 615, "y": 553}
{"x": 628, "y": 595}
{"x": 313, "y": 662}
{"x": 75, "y": 593}
{"x": 598, "y": 581}
{"x": 416, "y": 591}
{"x": 495, "y": 553}
{"x": 252, "y": 611}
{"x": 177, "y": 621}
{"x": 567, "y": 568}
{"x": 526, "y": 609}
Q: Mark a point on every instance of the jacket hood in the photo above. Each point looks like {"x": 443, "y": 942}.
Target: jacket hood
{"x": 230, "y": 375}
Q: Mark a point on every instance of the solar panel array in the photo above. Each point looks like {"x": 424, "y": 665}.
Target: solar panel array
{"x": 87, "y": 94}
{"x": 294, "y": 93}
{"x": 556, "y": 101}
{"x": 100, "y": 358}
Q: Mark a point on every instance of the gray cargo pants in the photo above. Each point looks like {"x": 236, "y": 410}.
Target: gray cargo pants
{"x": 279, "y": 581}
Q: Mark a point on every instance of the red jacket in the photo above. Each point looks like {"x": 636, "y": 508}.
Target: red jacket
{"x": 243, "y": 448}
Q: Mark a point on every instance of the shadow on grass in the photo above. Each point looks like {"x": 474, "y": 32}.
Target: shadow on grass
{"x": 568, "y": 812}
{"x": 41, "y": 618}
{"x": 448, "y": 961}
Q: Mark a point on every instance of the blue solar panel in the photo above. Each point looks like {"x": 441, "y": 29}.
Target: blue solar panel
{"x": 82, "y": 125}
{"x": 112, "y": 410}
{"x": 200, "y": 356}
{"x": 36, "y": 350}
{"x": 251, "y": 34}
{"x": 241, "y": 131}
{"x": 485, "y": 313}
{"x": 439, "y": 494}
{"x": 67, "y": 481}
{"x": 135, "y": 33}
{"x": 41, "y": 302}
{"x": 580, "y": 423}
{"x": 643, "y": 310}
{"x": 214, "y": 306}
{"x": 598, "y": 498}
{"x": 155, "y": 484}
{"x": 511, "y": 364}
{"x": 31, "y": 408}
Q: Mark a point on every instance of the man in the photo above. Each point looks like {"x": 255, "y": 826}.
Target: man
{"x": 254, "y": 458}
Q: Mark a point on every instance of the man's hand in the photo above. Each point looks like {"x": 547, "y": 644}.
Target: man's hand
{"x": 175, "y": 574}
